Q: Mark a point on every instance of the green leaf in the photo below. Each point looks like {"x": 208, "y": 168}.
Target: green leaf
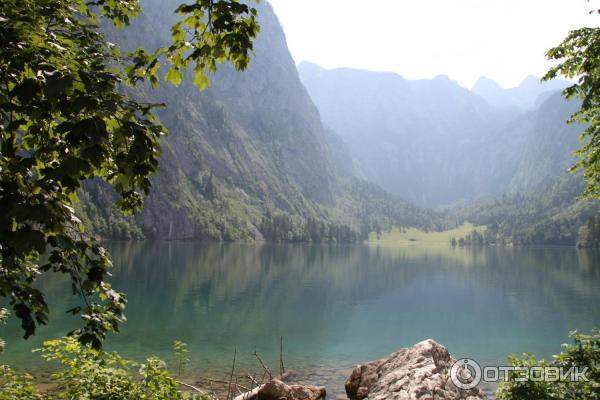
{"x": 201, "y": 81}
{"x": 174, "y": 77}
{"x": 177, "y": 33}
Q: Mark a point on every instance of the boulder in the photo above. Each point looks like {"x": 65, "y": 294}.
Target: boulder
{"x": 420, "y": 372}
{"x": 277, "y": 390}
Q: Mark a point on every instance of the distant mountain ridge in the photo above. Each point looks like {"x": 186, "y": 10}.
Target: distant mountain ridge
{"x": 531, "y": 92}
{"x": 437, "y": 143}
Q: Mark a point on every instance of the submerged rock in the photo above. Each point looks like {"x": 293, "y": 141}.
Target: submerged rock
{"x": 420, "y": 372}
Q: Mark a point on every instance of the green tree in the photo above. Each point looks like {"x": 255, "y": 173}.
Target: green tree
{"x": 589, "y": 234}
{"x": 64, "y": 120}
{"x": 579, "y": 58}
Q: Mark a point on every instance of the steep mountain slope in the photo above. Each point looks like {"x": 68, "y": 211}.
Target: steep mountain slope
{"x": 523, "y": 97}
{"x": 439, "y": 144}
{"x": 550, "y": 144}
{"x": 540, "y": 206}
{"x": 419, "y": 139}
{"x": 546, "y": 215}
{"x": 248, "y": 154}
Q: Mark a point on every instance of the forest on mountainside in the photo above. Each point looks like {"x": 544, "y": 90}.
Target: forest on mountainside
{"x": 549, "y": 215}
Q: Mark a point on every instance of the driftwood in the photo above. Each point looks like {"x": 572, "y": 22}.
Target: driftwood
{"x": 267, "y": 370}
{"x": 253, "y": 394}
{"x": 281, "y": 366}
{"x": 255, "y": 385}
{"x": 271, "y": 388}
{"x": 191, "y": 387}
{"x": 229, "y": 392}
{"x": 277, "y": 390}
{"x": 224, "y": 382}
{"x": 253, "y": 380}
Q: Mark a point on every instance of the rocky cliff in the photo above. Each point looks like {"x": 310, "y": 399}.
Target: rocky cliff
{"x": 250, "y": 147}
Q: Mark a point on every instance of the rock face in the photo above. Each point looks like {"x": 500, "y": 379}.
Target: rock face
{"x": 253, "y": 141}
{"x": 421, "y": 372}
{"x": 277, "y": 390}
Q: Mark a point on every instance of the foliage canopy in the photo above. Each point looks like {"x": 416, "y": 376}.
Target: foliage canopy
{"x": 64, "y": 120}
{"x": 579, "y": 58}
{"x": 583, "y": 353}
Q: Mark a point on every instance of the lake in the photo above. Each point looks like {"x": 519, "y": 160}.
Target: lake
{"x": 334, "y": 306}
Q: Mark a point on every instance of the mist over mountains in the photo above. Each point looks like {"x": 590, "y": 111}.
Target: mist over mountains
{"x": 437, "y": 143}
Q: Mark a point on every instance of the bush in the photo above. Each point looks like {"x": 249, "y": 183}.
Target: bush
{"x": 17, "y": 387}
{"x": 583, "y": 353}
{"x": 89, "y": 374}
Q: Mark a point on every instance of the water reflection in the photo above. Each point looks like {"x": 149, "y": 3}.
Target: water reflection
{"x": 336, "y": 306}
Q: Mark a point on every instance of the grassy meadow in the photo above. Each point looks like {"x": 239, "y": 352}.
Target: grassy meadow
{"x": 412, "y": 236}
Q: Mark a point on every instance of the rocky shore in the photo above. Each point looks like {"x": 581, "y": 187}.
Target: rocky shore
{"x": 421, "y": 372}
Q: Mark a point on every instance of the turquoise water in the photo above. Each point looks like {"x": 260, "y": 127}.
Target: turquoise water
{"x": 334, "y": 306}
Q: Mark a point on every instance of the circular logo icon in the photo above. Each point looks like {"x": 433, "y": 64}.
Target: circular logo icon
{"x": 466, "y": 373}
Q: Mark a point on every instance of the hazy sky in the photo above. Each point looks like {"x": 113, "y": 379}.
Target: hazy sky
{"x": 502, "y": 39}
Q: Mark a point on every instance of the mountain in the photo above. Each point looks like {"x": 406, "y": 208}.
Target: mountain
{"x": 254, "y": 158}
{"x": 438, "y": 144}
{"x": 418, "y": 139}
{"x": 248, "y": 158}
{"x": 526, "y": 96}
{"x": 549, "y": 145}
{"x": 540, "y": 205}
